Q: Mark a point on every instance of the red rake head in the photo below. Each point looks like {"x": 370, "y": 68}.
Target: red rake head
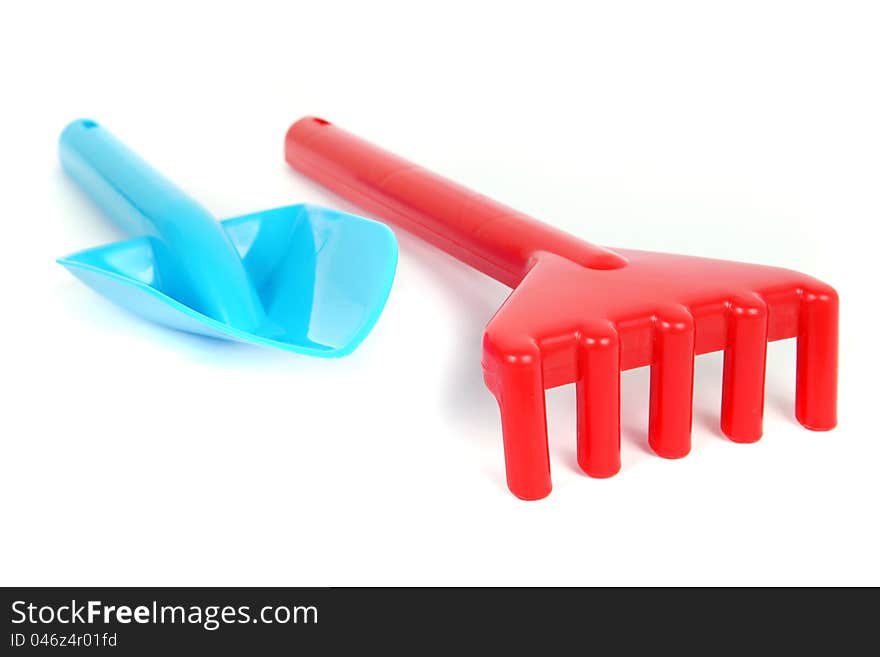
{"x": 581, "y": 313}
{"x": 567, "y": 323}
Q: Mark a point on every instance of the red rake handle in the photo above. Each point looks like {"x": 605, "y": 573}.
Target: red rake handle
{"x": 489, "y": 236}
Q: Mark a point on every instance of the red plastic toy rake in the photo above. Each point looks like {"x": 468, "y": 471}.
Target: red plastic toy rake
{"x": 582, "y": 313}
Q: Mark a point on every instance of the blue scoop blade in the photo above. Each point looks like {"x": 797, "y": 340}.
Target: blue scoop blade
{"x": 323, "y": 278}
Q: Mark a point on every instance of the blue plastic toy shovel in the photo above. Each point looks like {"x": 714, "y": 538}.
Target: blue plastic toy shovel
{"x": 301, "y": 278}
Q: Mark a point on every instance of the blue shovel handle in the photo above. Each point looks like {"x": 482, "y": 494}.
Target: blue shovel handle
{"x": 192, "y": 247}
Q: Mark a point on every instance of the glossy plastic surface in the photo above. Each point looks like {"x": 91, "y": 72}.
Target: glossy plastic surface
{"x": 301, "y": 278}
{"x": 580, "y": 314}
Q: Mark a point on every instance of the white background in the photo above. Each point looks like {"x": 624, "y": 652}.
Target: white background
{"x": 135, "y": 455}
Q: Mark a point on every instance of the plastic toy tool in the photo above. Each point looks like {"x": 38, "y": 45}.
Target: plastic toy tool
{"x": 582, "y": 313}
{"x": 301, "y": 278}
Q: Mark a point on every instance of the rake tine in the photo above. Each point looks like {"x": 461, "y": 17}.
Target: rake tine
{"x": 598, "y": 402}
{"x": 745, "y": 361}
{"x": 672, "y": 383}
{"x": 816, "y": 388}
{"x": 518, "y": 386}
